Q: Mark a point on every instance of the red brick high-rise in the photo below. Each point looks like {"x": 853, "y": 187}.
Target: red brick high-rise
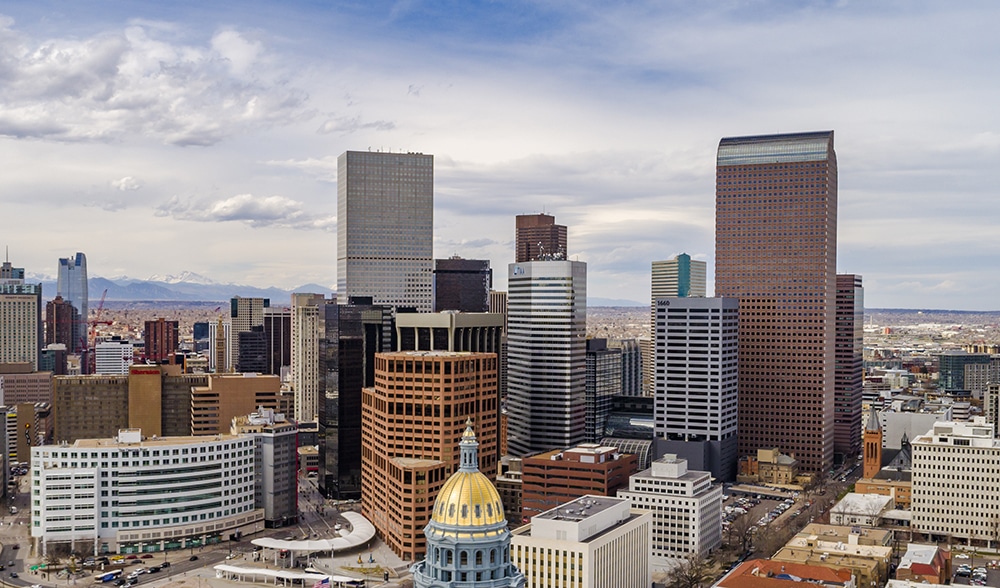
{"x": 776, "y": 251}
{"x": 538, "y": 234}
{"x": 161, "y": 340}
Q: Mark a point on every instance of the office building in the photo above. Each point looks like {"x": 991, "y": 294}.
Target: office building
{"x": 695, "y": 387}
{"x": 647, "y": 352}
{"x": 468, "y": 543}
{"x": 208, "y": 484}
{"x": 275, "y": 459}
{"x": 227, "y": 396}
{"x": 244, "y": 314}
{"x": 218, "y": 345}
{"x": 62, "y": 322}
{"x": 776, "y": 251}
{"x": 351, "y": 335}
{"x": 161, "y": 340}
{"x": 54, "y": 358}
{"x": 20, "y": 384}
{"x": 71, "y": 284}
{"x": 591, "y": 542}
{"x": 449, "y": 331}
{"x": 678, "y": 277}
{"x": 631, "y": 365}
{"x": 686, "y": 507}
{"x": 956, "y": 470}
{"x": 604, "y": 382}
{"x": 556, "y": 477}
{"x": 546, "y": 355}
{"x": 385, "y": 228}
{"x": 849, "y": 371}
{"x": 764, "y": 573}
{"x": 462, "y": 284}
{"x": 253, "y": 351}
{"x": 21, "y": 332}
{"x": 412, "y": 420}
{"x": 538, "y": 237}
{"x": 278, "y": 337}
{"x": 630, "y": 428}
{"x": 113, "y": 356}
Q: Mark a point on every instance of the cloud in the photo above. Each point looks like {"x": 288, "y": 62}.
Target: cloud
{"x": 349, "y": 125}
{"x": 254, "y": 211}
{"x": 126, "y": 184}
{"x": 140, "y": 82}
{"x": 323, "y": 169}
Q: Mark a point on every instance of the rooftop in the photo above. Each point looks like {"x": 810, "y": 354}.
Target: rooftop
{"x": 580, "y": 508}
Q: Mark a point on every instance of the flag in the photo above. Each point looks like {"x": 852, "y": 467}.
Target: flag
{"x": 324, "y": 583}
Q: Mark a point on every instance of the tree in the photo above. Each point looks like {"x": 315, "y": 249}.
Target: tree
{"x": 693, "y": 572}
{"x": 739, "y": 535}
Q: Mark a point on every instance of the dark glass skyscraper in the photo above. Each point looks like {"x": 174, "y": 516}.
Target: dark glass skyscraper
{"x": 462, "y": 284}
{"x": 776, "y": 251}
{"x": 71, "y": 284}
{"x": 850, "y": 365}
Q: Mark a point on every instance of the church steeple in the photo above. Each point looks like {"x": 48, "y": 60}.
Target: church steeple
{"x": 872, "y": 445}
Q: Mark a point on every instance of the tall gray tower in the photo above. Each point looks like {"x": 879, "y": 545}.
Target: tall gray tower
{"x": 71, "y": 284}
{"x": 385, "y": 228}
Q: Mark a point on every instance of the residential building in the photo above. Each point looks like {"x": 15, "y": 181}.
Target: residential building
{"x": 686, "y": 507}
{"x": 203, "y": 489}
{"x": 776, "y": 251}
{"x": 385, "y": 228}
{"x": 555, "y": 477}
{"x": 849, "y": 371}
{"x": 546, "y": 355}
{"x": 468, "y": 542}
{"x": 161, "y": 337}
{"x": 604, "y": 377}
{"x": 537, "y": 237}
{"x": 867, "y": 561}
{"x": 62, "y": 322}
{"x": 956, "y": 466}
{"x": 305, "y": 373}
{"x": 21, "y": 332}
{"x": 462, "y": 284}
{"x": 412, "y": 420}
{"x": 590, "y": 542}
{"x": 275, "y": 459}
{"x": 113, "y": 356}
{"x": 952, "y": 365}
{"x": 764, "y": 573}
{"x": 695, "y": 387}
{"x": 72, "y": 286}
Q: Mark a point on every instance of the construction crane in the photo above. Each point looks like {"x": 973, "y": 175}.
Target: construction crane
{"x": 90, "y": 356}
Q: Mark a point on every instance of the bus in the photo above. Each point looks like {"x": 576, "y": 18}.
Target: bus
{"x": 108, "y": 576}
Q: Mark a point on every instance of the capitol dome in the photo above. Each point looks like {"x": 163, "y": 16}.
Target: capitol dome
{"x": 468, "y": 542}
{"x": 468, "y": 498}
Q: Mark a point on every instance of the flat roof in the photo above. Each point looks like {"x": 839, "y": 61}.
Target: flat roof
{"x": 157, "y": 442}
{"x": 581, "y": 508}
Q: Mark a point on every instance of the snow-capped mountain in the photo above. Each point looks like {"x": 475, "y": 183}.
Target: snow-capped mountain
{"x": 184, "y": 277}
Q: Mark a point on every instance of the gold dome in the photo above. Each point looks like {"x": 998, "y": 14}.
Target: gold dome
{"x": 468, "y": 499}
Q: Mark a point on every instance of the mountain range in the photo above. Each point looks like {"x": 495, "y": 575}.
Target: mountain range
{"x": 192, "y": 287}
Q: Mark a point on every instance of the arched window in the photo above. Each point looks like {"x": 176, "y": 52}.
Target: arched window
{"x": 463, "y": 558}
{"x": 479, "y": 557}
{"x": 448, "y": 555}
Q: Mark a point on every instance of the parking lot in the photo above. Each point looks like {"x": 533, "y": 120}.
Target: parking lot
{"x": 975, "y": 571}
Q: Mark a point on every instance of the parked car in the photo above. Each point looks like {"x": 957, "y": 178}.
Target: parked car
{"x": 193, "y": 558}
{"x": 147, "y": 556}
{"x": 165, "y": 564}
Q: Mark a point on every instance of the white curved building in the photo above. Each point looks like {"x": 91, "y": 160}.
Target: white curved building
{"x": 130, "y": 495}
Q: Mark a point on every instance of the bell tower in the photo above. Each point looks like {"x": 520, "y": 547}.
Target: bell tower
{"x": 872, "y": 445}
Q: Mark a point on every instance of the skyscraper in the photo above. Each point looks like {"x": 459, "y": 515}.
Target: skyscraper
{"x": 306, "y": 332}
{"x": 695, "y": 389}
{"x": 679, "y": 276}
{"x": 244, "y": 314}
{"x": 462, "y": 284}
{"x": 385, "y": 227}
{"x": 21, "y": 311}
{"x": 849, "y": 373}
{"x": 162, "y": 339}
{"x": 604, "y": 381}
{"x": 546, "y": 355}
{"x": 61, "y": 322}
{"x": 71, "y": 284}
{"x": 537, "y": 236}
{"x": 776, "y": 251}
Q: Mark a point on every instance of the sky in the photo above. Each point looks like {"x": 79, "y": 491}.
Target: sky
{"x": 163, "y": 137}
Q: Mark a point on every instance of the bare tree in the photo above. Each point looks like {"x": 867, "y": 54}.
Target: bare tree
{"x": 693, "y": 572}
{"x": 739, "y": 535}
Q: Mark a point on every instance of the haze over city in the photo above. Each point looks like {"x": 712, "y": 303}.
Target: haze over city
{"x": 180, "y": 136}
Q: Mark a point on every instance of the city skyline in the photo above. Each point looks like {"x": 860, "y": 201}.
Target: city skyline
{"x": 215, "y": 131}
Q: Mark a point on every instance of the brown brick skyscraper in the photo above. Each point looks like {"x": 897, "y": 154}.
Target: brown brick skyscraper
{"x": 537, "y": 234}
{"x": 776, "y": 251}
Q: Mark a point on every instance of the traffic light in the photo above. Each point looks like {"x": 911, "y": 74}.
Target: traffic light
{"x": 27, "y": 433}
